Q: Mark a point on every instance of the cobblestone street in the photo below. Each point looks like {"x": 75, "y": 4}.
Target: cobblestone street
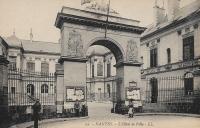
{"x": 100, "y": 116}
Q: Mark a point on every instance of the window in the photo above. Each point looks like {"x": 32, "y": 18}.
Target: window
{"x": 108, "y": 90}
{"x": 153, "y": 57}
{"x": 92, "y": 70}
{"x": 5, "y": 90}
{"x": 168, "y": 55}
{"x": 142, "y": 61}
{"x": 188, "y": 48}
{"x": 108, "y": 70}
{"x": 44, "y": 88}
{"x": 188, "y": 84}
{"x": 13, "y": 90}
{"x": 31, "y": 66}
{"x": 13, "y": 62}
{"x": 45, "y": 67}
{"x": 30, "y": 89}
{"x": 154, "y": 90}
{"x": 99, "y": 69}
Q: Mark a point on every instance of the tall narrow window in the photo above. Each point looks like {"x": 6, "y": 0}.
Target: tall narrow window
{"x": 12, "y": 63}
{"x": 108, "y": 70}
{"x": 168, "y": 55}
{"x": 188, "y": 83}
{"x": 13, "y": 90}
{"x": 93, "y": 70}
{"x": 188, "y": 48}
{"x": 153, "y": 57}
{"x": 154, "y": 90}
{"x": 142, "y": 61}
{"x": 45, "y": 67}
{"x": 99, "y": 69}
{"x": 31, "y": 66}
{"x": 108, "y": 90}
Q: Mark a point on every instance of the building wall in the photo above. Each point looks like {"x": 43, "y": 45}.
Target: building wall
{"x": 100, "y": 82}
{"x": 171, "y": 39}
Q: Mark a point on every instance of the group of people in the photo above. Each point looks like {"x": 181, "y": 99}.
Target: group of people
{"x": 78, "y": 108}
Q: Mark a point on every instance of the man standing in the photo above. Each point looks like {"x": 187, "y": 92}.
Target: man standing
{"x": 36, "y": 110}
{"x": 77, "y": 108}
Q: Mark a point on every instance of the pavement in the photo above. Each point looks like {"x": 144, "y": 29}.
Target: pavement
{"x": 100, "y": 116}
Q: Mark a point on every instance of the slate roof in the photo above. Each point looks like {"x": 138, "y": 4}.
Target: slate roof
{"x": 184, "y": 12}
{"x": 34, "y": 46}
{"x": 40, "y": 46}
{"x": 13, "y": 41}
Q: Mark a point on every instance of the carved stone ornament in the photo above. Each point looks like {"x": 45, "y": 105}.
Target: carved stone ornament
{"x": 132, "y": 51}
{"x": 99, "y": 5}
{"x": 75, "y": 44}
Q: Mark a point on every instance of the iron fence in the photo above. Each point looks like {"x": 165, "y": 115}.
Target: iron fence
{"x": 24, "y": 87}
{"x": 171, "y": 94}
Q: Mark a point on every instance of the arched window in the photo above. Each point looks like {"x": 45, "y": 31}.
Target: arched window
{"x": 44, "y": 88}
{"x": 188, "y": 83}
{"x": 168, "y": 55}
{"x": 30, "y": 89}
{"x": 154, "y": 90}
{"x": 99, "y": 69}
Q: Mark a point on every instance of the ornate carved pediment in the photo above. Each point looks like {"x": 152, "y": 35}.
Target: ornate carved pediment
{"x": 75, "y": 44}
{"x": 132, "y": 51}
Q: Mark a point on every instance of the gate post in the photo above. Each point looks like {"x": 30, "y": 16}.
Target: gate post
{"x": 3, "y": 91}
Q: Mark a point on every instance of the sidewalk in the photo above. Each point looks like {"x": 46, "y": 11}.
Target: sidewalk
{"x": 167, "y": 114}
{"x": 30, "y": 124}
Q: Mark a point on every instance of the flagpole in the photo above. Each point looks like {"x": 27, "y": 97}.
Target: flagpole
{"x": 106, "y": 28}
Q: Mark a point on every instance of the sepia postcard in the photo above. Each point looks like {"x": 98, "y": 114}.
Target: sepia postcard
{"x": 99, "y": 64}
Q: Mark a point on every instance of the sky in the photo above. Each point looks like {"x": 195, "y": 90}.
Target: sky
{"x": 40, "y": 15}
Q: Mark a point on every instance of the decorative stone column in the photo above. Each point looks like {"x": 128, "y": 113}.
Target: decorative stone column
{"x": 126, "y": 73}
{"x": 59, "y": 88}
{"x": 3, "y": 90}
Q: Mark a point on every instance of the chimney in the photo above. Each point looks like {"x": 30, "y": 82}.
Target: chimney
{"x": 31, "y": 36}
{"x": 173, "y": 8}
{"x": 159, "y": 14}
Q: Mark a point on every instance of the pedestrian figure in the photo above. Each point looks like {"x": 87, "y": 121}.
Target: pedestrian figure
{"x": 83, "y": 110}
{"x": 131, "y": 108}
{"x": 36, "y": 110}
{"x": 77, "y": 108}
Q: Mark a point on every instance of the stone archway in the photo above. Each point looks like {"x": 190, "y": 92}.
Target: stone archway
{"x": 111, "y": 44}
{"x": 81, "y": 29}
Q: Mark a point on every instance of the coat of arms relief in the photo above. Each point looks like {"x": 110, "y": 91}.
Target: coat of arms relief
{"x": 75, "y": 44}
{"x": 132, "y": 51}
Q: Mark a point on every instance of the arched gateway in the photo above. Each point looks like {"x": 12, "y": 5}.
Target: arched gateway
{"x": 81, "y": 29}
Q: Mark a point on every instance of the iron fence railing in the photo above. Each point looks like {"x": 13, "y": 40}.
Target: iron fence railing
{"x": 171, "y": 94}
{"x": 24, "y": 87}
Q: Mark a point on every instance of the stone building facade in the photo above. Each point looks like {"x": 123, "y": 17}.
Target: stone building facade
{"x": 101, "y": 75}
{"x": 171, "y": 47}
{"x": 31, "y": 69}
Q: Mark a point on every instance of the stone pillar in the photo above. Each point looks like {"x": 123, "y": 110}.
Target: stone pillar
{"x": 73, "y": 74}
{"x": 126, "y": 73}
{"x": 3, "y": 90}
{"x": 59, "y": 88}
